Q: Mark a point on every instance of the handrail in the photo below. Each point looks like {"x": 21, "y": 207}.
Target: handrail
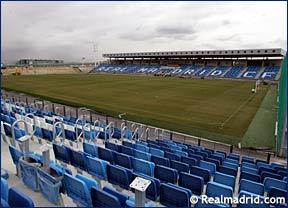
{"x": 110, "y": 133}
{"x": 76, "y": 130}
{"x": 97, "y": 122}
{"x": 147, "y": 133}
{"x": 61, "y": 132}
{"x": 13, "y": 130}
{"x": 123, "y": 132}
{"x": 26, "y": 116}
{"x": 135, "y": 133}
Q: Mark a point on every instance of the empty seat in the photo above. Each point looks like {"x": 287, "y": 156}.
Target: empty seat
{"x": 77, "y": 159}
{"x": 272, "y": 182}
{"x": 204, "y": 173}
{"x": 61, "y": 153}
{"x": 119, "y": 176}
{"x": 230, "y": 160}
{"x": 143, "y": 166}
{"x": 190, "y": 161}
{"x": 4, "y": 189}
{"x": 90, "y": 149}
{"x": 250, "y": 203}
{"x": 128, "y": 144}
{"x": 165, "y": 174}
{"x": 141, "y": 147}
{"x": 142, "y": 155}
{"x": 249, "y": 170}
{"x": 228, "y": 170}
{"x": 217, "y": 190}
{"x": 265, "y": 174}
{"x": 89, "y": 182}
{"x": 105, "y": 154}
{"x": 126, "y": 150}
{"x": 215, "y": 161}
{"x": 249, "y": 176}
{"x": 209, "y": 166}
{"x": 252, "y": 187}
{"x": 112, "y": 146}
{"x": 156, "y": 152}
{"x": 248, "y": 159}
{"x": 230, "y": 165}
{"x": 120, "y": 196}
{"x": 29, "y": 173}
{"x": 277, "y": 192}
{"x": 103, "y": 199}
{"x": 192, "y": 182}
{"x": 234, "y": 156}
{"x": 96, "y": 167}
{"x": 224, "y": 179}
{"x": 179, "y": 166}
{"x": 122, "y": 160}
{"x": 160, "y": 160}
{"x": 197, "y": 157}
{"x": 270, "y": 170}
{"x": 17, "y": 198}
{"x": 15, "y": 154}
{"x": 172, "y": 156}
{"x": 249, "y": 165}
{"x": 174, "y": 196}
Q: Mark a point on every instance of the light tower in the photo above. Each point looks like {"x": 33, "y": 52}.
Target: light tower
{"x": 95, "y": 50}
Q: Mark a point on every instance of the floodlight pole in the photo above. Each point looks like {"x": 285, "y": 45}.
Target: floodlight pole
{"x": 95, "y": 50}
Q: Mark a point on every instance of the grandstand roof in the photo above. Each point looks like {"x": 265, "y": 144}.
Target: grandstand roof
{"x": 268, "y": 52}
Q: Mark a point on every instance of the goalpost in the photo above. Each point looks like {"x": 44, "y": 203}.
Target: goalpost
{"x": 257, "y": 85}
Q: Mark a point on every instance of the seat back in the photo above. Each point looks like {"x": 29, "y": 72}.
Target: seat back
{"x": 112, "y": 146}
{"x": 165, "y": 174}
{"x": 172, "y": 156}
{"x": 252, "y": 187}
{"x": 128, "y": 144}
{"x": 17, "y": 198}
{"x": 190, "y": 161}
{"x": 179, "y": 166}
{"x": 142, "y": 166}
{"x": 265, "y": 174}
{"x": 126, "y": 150}
{"x": 141, "y": 147}
{"x": 192, "y": 182}
{"x": 122, "y": 160}
{"x": 174, "y": 196}
{"x": 209, "y": 166}
{"x": 224, "y": 179}
{"x": 249, "y": 176}
{"x": 276, "y": 192}
{"x": 227, "y": 170}
{"x": 105, "y": 154}
{"x": 156, "y": 152}
{"x": 96, "y": 167}
{"x": 217, "y": 190}
{"x": 77, "y": 190}
{"x": 249, "y": 170}
{"x": 204, "y": 173}
{"x": 77, "y": 159}
{"x": 61, "y": 153}
{"x": 120, "y": 196}
{"x": 103, "y": 199}
{"x": 90, "y": 149}
{"x": 4, "y": 189}
{"x": 272, "y": 182}
{"x": 29, "y": 174}
{"x": 118, "y": 176}
{"x": 142, "y": 155}
{"x": 160, "y": 160}
{"x": 15, "y": 154}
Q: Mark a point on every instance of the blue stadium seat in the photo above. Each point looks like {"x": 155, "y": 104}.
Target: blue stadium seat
{"x": 61, "y": 153}
{"x": 15, "y": 154}
{"x": 197, "y": 157}
{"x": 250, "y": 203}
{"x": 272, "y": 182}
{"x": 190, "y": 161}
{"x": 174, "y": 196}
{"x": 217, "y": 190}
{"x": 271, "y": 175}
{"x": 234, "y": 156}
{"x": 28, "y": 172}
{"x": 142, "y": 148}
{"x": 89, "y": 182}
{"x": 160, "y": 160}
{"x": 4, "y": 189}
{"x": 277, "y": 192}
{"x": 230, "y": 165}
{"x": 112, "y": 146}
{"x": 119, "y": 176}
{"x": 192, "y": 182}
{"x": 227, "y": 170}
{"x": 209, "y": 166}
{"x": 4, "y": 203}
{"x": 179, "y": 166}
{"x": 77, "y": 159}
{"x": 127, "y": 150}
{"x": 265, "y": 169}
{"x": 17, "y": 198}
{"x": 249, "y": 165}
{"x": 156, "y": 152}
{"x": 142, "y": 155}
{"x": 165, "y": 174}
{"x": 101, "y": 198}
{"x": 249, "y": 170}
{"x": 248, "y": 159}
{"x": 128, "y": 144}
{"x": 225, "y": 179}
{"x": 77, "y": 190}
{"x": 252, "y": 187}
{"x": 202, "y": 172}
{"x": 122, "y": 160}
{"x": 120, "y": 196}
{"x": 250, "y": 176}
{"x": 143, "y": 166}
{"x": 172, "y": 156}
{"x": 153, "y": 190}
{"x": 90, "y": 149}
{"x": 105, "y": 154}
{"x": 230, "y": 160}
{"x": 96, "y": 167}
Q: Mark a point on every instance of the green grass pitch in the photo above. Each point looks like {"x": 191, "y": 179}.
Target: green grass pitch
{"x": 220, "y": 110}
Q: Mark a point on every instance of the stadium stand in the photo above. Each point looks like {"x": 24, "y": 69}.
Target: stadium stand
{"x": 176, "y": 170}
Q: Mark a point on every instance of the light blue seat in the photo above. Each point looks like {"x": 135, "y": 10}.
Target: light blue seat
{"x": 156, "y": 152}
{"x": 4, "y": 189}
{"x": 141, "y": 147}
{"x": 181, "y": 153}
{"x": 249, "y": 165}
{"x": 224, "y": 179}
{"x": 249, "y": 170}
{"x": 231, "y": 161}
{"x": 77, "y": 190}
{"x": 29, "y": 174}
{"x": 252, "y": 187}
{"x": 142, "y": 166}
{"x": 17, "y": 198}
{"x": 272, "y": 182}
{"x": 209, "y": 166}
{"x": 174, "y": 196}
{"x": 142, "y": 155}
{"x": 88, "y": 181}
{"x": 217, "y": 190}
{"x": 96, "y": 167}
{"x": 250, "y": 203}
{"x": 119, "y": 176}
{"x": 90, "y": 149}
{"x": 230, "y": 165}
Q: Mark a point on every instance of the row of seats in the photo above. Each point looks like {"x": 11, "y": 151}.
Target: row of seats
{"x": 251, "y": 72}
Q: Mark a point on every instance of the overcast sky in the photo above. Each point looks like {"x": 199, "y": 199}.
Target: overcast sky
{"x": 68, "y": 30}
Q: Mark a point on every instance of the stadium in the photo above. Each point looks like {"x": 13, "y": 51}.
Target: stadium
{"x": 146, "y": 129}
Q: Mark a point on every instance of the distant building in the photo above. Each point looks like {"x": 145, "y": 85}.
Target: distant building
{"x": 39, "y": 62}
